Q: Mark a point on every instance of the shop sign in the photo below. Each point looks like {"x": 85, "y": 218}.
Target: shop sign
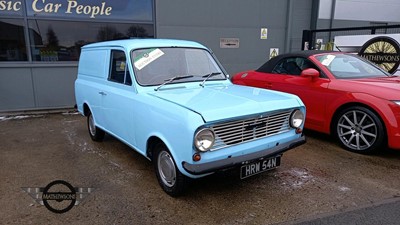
{"x": 132, "y": 10}
{"x": 383, "y": 51}
{"x": 11, "y": 7}
{"x": 72, "y": 7}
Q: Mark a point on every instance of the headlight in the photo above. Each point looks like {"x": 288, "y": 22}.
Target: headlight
{"x": 204, "y": 139}
{"x": 296, "y": 119}
{"x": 397, "y": 102}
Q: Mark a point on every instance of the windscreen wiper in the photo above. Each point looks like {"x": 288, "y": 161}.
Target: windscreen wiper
{"x": 172, "y": 79}
{"x": 208, "y": 76}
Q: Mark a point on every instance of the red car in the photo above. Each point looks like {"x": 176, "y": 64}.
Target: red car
{"x": 345, "y": 95}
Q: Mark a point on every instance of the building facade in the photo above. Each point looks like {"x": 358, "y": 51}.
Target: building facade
{"x": 40, "y": 43}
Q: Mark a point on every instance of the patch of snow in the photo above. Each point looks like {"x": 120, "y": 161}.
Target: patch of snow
{"x": 344, "y": 189}
{"x": 4, "y": 118}
{"x": 69, "y": 113}
{"x": 295, "y": 177}
{"x": 115, "y": 164}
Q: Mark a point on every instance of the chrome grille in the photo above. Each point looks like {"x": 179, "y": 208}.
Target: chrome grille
{"x": 236, "y": 132}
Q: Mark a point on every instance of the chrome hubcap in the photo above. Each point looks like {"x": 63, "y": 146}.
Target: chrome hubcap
{"x": 166, "y": 168}
{"x": 92, "y": 127}
{"x": 357, "y": 130}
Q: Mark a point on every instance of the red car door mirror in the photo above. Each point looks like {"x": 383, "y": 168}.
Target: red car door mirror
{"x": 310, "y": 72}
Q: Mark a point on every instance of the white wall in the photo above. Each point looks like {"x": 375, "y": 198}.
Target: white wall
{"x": 325, "y": 8}
{"x": 362, "y": 10}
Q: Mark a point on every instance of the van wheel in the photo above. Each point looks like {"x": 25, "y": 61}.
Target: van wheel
{"x": 171, "y": 180}
{"x": 95, "y": 133}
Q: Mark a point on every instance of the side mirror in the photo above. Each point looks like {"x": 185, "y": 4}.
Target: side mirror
{"x": 310, "y": 72}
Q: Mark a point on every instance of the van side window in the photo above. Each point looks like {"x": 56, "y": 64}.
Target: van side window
{"x": 119, "y": 69}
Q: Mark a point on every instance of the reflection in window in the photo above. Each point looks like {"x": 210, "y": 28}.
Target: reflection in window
{"x": 12, "y": 47}
{"x": 288, "y": 66}
{"x": 344, "y": 66}
{"x": 293, "y": 66}
{"x": 62, "y": 40}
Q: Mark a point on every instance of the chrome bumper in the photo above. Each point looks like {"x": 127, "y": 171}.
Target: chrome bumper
{"x": 197, "y": 169}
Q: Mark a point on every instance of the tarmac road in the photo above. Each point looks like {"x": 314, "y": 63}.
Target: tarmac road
{"x": 317, "y": 183}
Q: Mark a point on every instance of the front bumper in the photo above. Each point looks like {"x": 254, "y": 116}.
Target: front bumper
{"x": 198, "y": 169}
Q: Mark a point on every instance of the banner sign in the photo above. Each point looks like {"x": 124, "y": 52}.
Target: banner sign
{"x": 383, "y": 51}
{"x": 139, "y": 10}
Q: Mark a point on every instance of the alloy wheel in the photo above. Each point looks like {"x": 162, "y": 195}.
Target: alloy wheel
{"x": 357, "y": 130}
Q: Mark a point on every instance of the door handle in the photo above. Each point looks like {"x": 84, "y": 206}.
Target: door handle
{"x": 102, "y": 93}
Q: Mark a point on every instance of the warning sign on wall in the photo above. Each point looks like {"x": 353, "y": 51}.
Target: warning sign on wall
{"x": 273, "y": 52}
{"x": 264, "y": 33}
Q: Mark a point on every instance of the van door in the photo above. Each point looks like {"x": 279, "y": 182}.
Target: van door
{"x": 91, "y": 82}
{"x": 118, "y": 99}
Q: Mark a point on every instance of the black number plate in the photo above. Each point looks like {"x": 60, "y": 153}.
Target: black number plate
{"x": 259, "y": 166}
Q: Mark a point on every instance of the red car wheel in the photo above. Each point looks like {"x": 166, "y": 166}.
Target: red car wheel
{"x": 360, "y": 130}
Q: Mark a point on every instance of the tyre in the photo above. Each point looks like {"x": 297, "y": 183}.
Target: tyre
{"x": 360, "y": 130}
{"x": 171, "y": 180}
{"x": 95, "y": 133}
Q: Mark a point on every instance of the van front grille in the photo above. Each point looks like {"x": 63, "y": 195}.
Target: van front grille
{"x": 239, "y": 131}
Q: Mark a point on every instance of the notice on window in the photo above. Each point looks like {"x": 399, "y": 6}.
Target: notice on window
{"x": 328, "y": 60}
{"x": 147, "y": 58}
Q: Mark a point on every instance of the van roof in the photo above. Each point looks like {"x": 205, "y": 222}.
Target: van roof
{"x": 145, "y": 43}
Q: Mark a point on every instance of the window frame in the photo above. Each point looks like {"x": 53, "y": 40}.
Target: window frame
{"x": 127, "y": 75}
{"x": 21, "y": 31}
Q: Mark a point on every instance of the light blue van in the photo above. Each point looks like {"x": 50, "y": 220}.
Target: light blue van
{"x": 172, "y": 101}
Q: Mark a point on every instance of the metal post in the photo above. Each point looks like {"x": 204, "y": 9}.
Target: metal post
{"x": 289, "y": 13}
{"x": 333, "y": 9}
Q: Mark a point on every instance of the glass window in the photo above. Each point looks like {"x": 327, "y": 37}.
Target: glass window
{"x": 341, "y": 65}
{"x": 288, "y": 66}
{"x": 293, "y": 66}
{"x": 344, "y": 66}
{"x": 132, "y": 10}
{"x": 196, "y": 61}
{"x": 119, "y": 68}
{"x": 62, "y": 40}
{"x": 157, "y": 65}
{"x": 12, "y": 39}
